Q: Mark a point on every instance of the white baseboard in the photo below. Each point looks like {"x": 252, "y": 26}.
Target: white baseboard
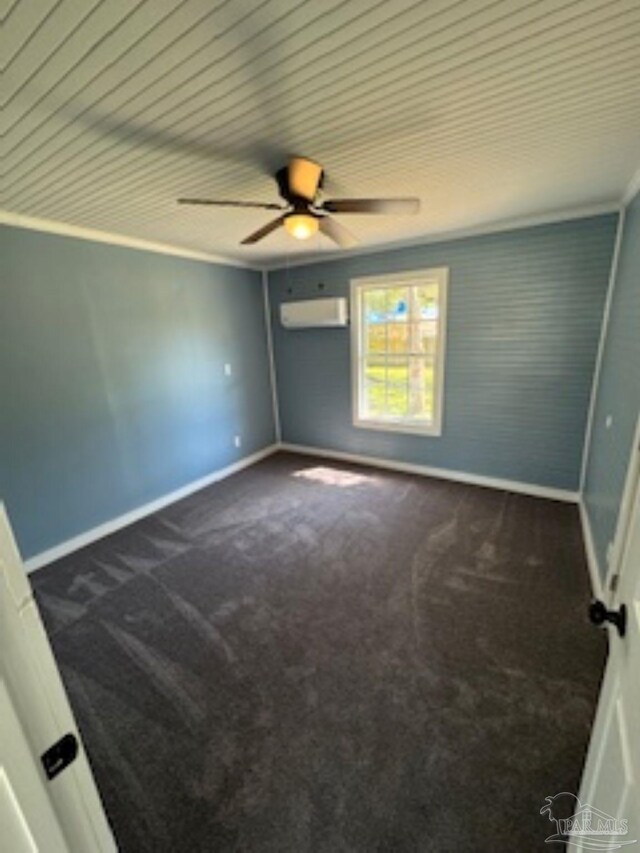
{"x": 440, "y": 473}
{"x": 77, "y": 542}
{"x": 592, "y": 559}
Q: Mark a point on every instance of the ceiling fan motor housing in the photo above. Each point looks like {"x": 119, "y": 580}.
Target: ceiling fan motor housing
{"x": 297, "y": 202}
{"x": 305, "y": 214}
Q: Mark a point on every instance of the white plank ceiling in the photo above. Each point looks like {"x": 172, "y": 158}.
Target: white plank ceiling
{"x": 488, "y": 110}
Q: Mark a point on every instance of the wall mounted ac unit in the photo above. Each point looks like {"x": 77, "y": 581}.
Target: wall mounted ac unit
{"x": 314, "y": 313}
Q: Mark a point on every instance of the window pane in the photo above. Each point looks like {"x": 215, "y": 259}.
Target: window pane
{"x": 427, "y": 301}
{"x": 421, "y": 388}
{"x": 375, "y": 305}
{"x": 397, "y": 387}
{"x": 399, "y": 341}
{"x": 376, "y": 340}
{"x": 425, "y": 337}
{"x": 374, "y": 387}
{"x": 397, "y": 304}
{"x": 398, "y": 338}
{"x": 429, "y": 389}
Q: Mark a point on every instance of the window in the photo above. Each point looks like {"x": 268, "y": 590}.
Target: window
{"x": 398, "y": 344}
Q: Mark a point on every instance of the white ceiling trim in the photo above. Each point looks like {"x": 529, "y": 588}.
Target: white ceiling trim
{"x": 447, "y": 236}
{"x": 64, "y": 229}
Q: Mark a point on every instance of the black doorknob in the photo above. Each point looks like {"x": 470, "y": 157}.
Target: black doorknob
{"x": 599, "y": 614}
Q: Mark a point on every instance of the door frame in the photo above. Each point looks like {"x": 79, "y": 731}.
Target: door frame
{"x": 42, "y": 707}
{"x": 612, "y": 712}
{"x": 631, "y": 484}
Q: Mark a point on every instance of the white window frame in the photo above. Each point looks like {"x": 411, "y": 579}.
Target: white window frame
{"x": 439, "y": 275}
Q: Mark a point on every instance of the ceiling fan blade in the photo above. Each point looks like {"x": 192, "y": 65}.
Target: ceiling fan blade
{"x": 390, "y": 206}
{"x": 262, "y": 232}
{"x": 304, "y": 177}
{"x": 335, "y": 231}
{"x": 227, "y": 203}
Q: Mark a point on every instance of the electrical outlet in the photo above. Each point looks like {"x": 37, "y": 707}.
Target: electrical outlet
{"x": 227, "y": 369}
{"x": 608, "y": 422}
{"x": 237, "y": 441}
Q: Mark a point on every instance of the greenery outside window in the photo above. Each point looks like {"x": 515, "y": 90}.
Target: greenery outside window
{"x": 398, "y": 348}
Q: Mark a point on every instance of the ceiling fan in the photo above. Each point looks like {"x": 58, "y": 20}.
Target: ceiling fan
{"x": 298, "y": 184}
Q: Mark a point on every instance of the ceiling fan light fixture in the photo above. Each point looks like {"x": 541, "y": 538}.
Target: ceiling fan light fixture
{"x": 303, "y": 214}
{"x": 301, "y": 225}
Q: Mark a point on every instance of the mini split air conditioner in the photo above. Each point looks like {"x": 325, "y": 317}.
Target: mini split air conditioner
{"x": 314, "y": 313}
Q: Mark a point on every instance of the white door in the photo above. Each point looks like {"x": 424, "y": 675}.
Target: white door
{"x": 62, "y": 814}
{"x": 610, "y": 791}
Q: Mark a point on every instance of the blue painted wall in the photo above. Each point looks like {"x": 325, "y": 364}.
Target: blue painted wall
{"x": 618, "y": 393}
{"x": 525, "y": 310}
{"x": 112, "y": 385}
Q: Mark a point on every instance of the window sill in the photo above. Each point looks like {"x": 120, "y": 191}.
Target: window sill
{"x": 434, "y": 430}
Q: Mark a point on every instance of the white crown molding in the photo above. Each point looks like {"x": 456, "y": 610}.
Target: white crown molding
{"x": 632, "y": 190}
{"x": 447, "y": 236}
{"x": 440, "y": 473}
{"x": 102, "y": 530}
{"x": 19, "y": 220}
{"x": 63, "y": 229}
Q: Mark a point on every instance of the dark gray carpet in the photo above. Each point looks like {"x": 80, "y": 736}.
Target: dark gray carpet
{"x": 320, "y": 657}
